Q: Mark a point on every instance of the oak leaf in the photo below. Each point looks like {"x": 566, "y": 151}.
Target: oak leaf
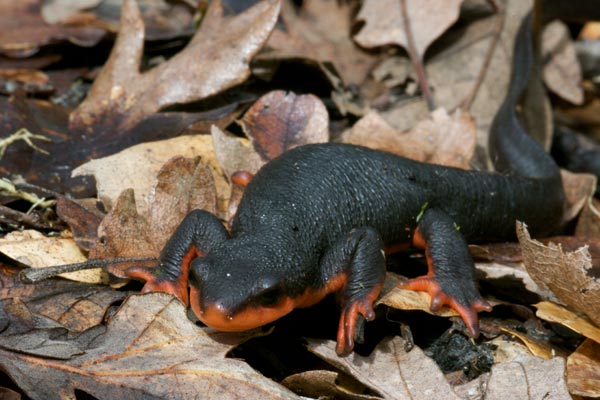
{"x": 149, "y": 350}
{"x": 221, "y": 50}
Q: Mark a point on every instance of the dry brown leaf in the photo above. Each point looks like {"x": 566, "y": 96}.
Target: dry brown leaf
{"x": 441, "y": 139}
{"x": 150, "y": 350}
{"x": 83, "y": 218}
{"x": 565, "y": 274}
{"x": 8, "y": 394}
{"x": 556, "y": 313}
{"x": 36, "y": 250}
{"x": 280, "y": 121}
{"x": 579, "y": 189}
{"x": 23, "y": 30}
{"x": 33, "y": 334}
{"x": 73, "y": 305}
{"x": 390, "y": 371}
{"x": 320, "y": 31}
{"x": 583, "y": 370}
{"x": 384, "y": 24}
{"x": 226, "y": 44}
{"x": 562, "y": 72}
{"x": 183, "y": 185}
{"x": 137, "y": 168}
{"x": 320, "y": 384}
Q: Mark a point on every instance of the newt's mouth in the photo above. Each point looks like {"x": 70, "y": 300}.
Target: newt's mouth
{"x": 247, "y": 318}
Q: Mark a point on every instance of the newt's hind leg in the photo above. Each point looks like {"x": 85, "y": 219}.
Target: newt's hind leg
{"x": 451, "y": 279}
{"x": 359, "y": 260}
{"x": 197, "y": 234}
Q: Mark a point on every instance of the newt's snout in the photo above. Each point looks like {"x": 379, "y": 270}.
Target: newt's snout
{"x": 218, "y": 316}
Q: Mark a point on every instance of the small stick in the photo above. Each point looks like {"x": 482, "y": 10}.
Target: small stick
{"x": 33, "y": 275}
{"x": 416, "y": 58}
{"x": 488, "y": 57}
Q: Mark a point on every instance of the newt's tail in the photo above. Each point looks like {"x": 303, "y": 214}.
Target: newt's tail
{"x": 512, "y": 150}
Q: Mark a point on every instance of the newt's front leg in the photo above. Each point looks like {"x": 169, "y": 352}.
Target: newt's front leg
{"x": 198, "y": 233}
{"x": 450, "y": 280}
{"x": 359, "y": 259}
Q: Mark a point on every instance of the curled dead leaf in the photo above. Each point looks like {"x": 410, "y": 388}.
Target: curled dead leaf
{"x": 577, "y": 322}
{"x": 566, "y": 274}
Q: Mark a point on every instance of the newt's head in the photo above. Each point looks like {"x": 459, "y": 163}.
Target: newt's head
{"x": 235, "y": 296}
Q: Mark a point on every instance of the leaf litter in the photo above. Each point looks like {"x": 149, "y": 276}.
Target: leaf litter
{"x": 70, "y": 329}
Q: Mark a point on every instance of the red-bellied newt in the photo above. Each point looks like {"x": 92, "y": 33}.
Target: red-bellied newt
{"x": 317, "y": 219}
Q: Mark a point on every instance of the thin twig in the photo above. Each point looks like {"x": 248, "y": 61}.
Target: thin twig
{"x": 416, "y": 58}
{"x": 13, "y": 217}
{"x": 488, "y": 57}
{"x": 23, "y": 135}
{"x": 33, "y": 275}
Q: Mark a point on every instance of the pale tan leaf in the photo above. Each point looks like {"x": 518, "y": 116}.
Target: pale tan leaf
{"x": 183, "y": 185}
{"x": 528, "y": 377}
{"x": 583, "y": 370}
{"x": 234, "y": 153}
{"x": 137, "y": 168}
{"x": 391, "y": 371}
{"x": 36, "y": 250}
{"x": 441, "y": 139}
{"x": 403, "y": 299}
{"x": 384, "y": 24}
{"x": 579, "y": 189}
{"x": 562, "y": 72}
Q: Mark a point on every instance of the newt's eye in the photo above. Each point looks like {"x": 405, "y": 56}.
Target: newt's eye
{"x": 270, "y": 297}
{"x": 269, "y": 292}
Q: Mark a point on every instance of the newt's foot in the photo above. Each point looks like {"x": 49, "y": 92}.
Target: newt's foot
{"x": 157, "y": 283}
{"x": 348, "y": 323}
{"x": 465, "y": 300}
